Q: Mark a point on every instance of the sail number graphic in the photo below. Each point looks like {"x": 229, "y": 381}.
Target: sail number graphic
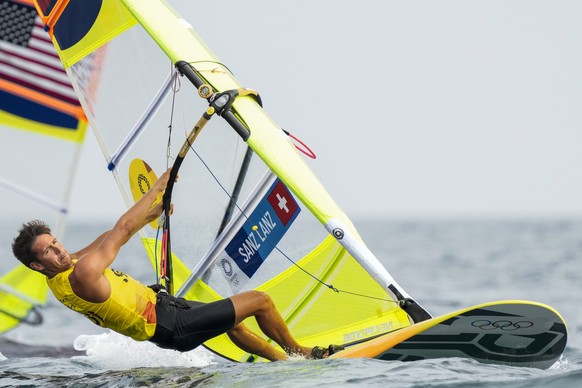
{"x": 486, "y": 324}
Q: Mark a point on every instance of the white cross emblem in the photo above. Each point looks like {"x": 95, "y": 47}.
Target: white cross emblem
{"x": 282, "y": 203}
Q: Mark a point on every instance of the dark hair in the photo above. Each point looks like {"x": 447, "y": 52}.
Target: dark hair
{"x": 22, "y": 244}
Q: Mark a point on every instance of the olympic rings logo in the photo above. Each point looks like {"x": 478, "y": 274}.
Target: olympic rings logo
{"x": 485, "y": 324}
{"x": 226, "y": 267}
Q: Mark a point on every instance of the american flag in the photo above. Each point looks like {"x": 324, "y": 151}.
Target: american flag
{"x": 27, "y": 56}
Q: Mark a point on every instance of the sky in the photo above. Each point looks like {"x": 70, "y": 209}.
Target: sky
{"x": 416, "y": 109}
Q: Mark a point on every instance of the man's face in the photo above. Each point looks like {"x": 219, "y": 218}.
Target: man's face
{"x": 51, "y": 254}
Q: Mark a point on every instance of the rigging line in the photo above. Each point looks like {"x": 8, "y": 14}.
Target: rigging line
{"x": 175, "y": 85}
{"x": 330, "y": 286}
{"x": 156, "y": 254}
{"x": 175, "y": 89}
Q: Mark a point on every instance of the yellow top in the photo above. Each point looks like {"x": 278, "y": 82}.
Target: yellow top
{"x": 129, "y": 310}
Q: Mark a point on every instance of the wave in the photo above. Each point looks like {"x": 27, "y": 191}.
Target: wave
{"x": 112, "y": 361}
{"x": 113, "y": 351}
{"x": 15, "y": 349}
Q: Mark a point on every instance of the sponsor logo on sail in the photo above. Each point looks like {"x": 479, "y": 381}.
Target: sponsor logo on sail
{"x": 226, "y": 267}
{"x": 260, "y": 234}
{"x": 367, "y": 332}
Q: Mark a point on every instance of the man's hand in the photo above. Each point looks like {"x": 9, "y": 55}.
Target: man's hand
{"x": 159, "y": 187}
{"x": 156, "y": 212}
{"x": 162, "y": 181}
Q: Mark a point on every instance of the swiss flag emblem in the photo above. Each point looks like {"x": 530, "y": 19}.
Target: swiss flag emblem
{"x": 283, "y": 203}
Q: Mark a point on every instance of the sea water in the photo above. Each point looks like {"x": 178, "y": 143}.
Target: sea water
{"x": 444, "y": 265}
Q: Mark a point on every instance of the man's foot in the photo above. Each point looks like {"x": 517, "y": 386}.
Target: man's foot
{"x": 319, "y": 352}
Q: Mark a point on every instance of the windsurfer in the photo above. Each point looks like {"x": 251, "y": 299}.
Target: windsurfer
{"x": 83, "y": 282}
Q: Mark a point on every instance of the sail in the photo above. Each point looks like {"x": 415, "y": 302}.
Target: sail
{"x": 249, "y": 211}
{"x": 42, "y": 126}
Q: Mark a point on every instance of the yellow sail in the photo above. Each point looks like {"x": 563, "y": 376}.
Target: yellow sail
{"x": 240, "y": 222}
{"x": 22, "y": 291}
{"x": 315, "y": 314}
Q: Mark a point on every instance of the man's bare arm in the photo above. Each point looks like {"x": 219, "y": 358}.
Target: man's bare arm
{"x": 87, "y": 278}
{"x": 80, "y": 253}
{"x": 153, "y": 214}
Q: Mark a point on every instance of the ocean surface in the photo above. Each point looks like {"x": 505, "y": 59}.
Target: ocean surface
{"x": 444, "y": 265}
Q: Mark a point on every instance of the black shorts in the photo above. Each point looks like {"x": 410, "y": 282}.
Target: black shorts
{"x": 184, "y": 325}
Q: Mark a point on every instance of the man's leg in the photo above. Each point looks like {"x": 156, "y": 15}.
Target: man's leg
{"x": 261, "y": 306}
{"x": 252, "y": 343}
